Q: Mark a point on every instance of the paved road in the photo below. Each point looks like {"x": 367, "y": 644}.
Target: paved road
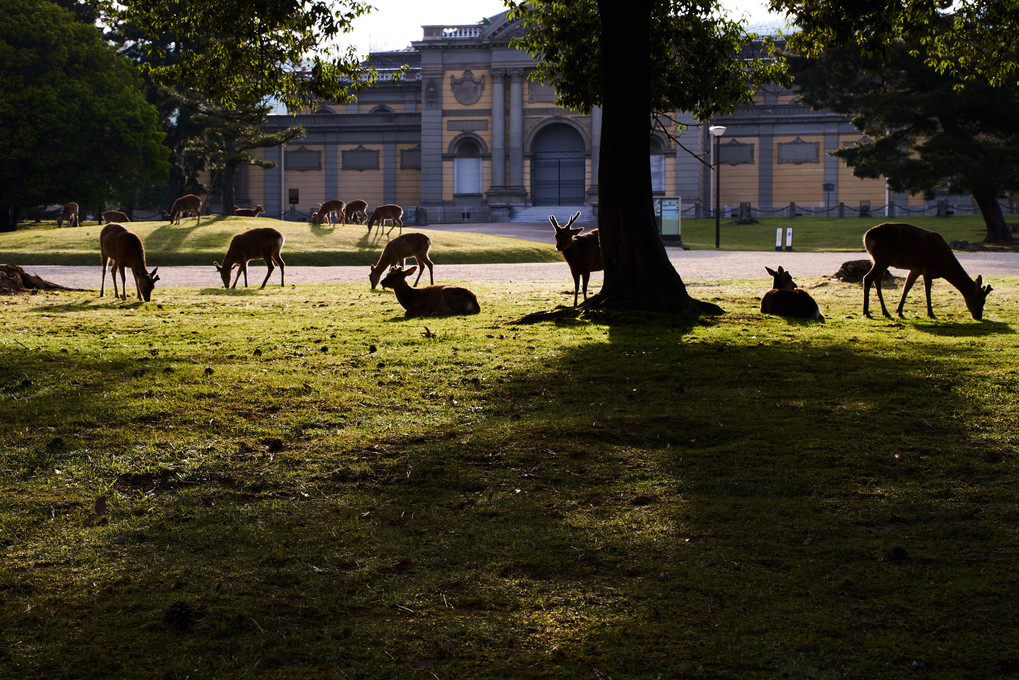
{"x": 693, "y": 265}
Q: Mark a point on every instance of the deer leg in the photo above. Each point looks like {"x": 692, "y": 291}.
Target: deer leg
{"x": 270, "y": 267}
{"x": 927, "y": 281}
{"x": 237, "y": 278}
{"x": 431, "y": 274}
{"x": 421, "y": 270}
{"x": 102, "y": 286}
{"x": 874, "y": 276}
{"x": 576, "y": 288}
{"x": 910, "y": 280}
{"x": 587, "y": 277}
{"x": 123, "y": 282}
{"x": 279, "y": 261}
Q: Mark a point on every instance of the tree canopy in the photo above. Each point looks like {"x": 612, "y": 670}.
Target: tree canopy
{"x": 73, "y": 123}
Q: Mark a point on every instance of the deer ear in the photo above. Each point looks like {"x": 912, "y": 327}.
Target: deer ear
{"x": 219, "y": 268}
{"x": 987, "y": 289}
{"x": 979, "y": 281}
{"x": 410, "y": 271}
{"x": 771, "y": 271}
{"x": 153, "y": 272}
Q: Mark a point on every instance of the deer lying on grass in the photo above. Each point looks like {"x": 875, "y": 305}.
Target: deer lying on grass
{"x": 264, "y": 242}
{"x": 786, "y": 299}
{"x": 904, "y": 246}
{"x": 249, "y": 212}
{"x": 69, "y": 214}
{"x": 582, "y": 253}
{"x": 121, "y": 248}
{"x": 430, "y": 300}
{"x": 389, "y": 211}
{"x": 398, "y": 250}
{"x": 355, "y": 212}
{"x": 188, "y": 203}
{"x": 330, "y": 211}
{"x": 115, "y": 216}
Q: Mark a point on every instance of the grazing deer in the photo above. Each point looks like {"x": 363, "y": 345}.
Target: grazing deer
{"x": 390, "y": 211}
{"x": 115, "y": 216}
{"x": 249, "y": 212}
{"x": 69, "y": 214}
{"x": 121, "y": 248}
{"x": 355, "y": 212}
{"x": 398, "y": 250}
{"x": 582, "y": 253}
{"x": 904, "y": 246}
{"x": 264, "y": 242}
{"x": 188, "y": 203}
{"x": 430, "y": 300}
{"x": 330, "y": 211}
{"x": 786, "y": 299}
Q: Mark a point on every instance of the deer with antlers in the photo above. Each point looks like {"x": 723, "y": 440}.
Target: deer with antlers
{"x": 390, "y": 211}
{"x": 69, "y": 214}
{"x": 186, "y": 204}
{"x": 263, "y": 242}
{"x": 894, "y": 244}
{"x": 398, "y": 250}
{"x": 787, "y": 299}
{"x": 430, "y": 300}
{"x": 121, "y": 248}
{"x": 582, "y": 253}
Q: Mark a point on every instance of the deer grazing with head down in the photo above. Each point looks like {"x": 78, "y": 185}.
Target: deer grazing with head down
{"x": 582, "y": 253}
{"x": 786, "y": 299}
{"x": 430, "y": 300}
{"x": 264, "y": 242}
{"x": 188, "y": 203}
{"x": 355, "y": 212}
{"x": 398, "y": 250}
{"x": 115, "y": 216}
{"x": 390, "y": 211}
{"x": 249, "y": 212}
{"x": 329, "y": 212}
{"x": 69, "y": 214}
{"x": 922, "y": 252}
{"x": 121, "y": 248}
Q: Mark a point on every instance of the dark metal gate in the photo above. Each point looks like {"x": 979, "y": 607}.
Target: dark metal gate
{"x": 557, "y": 181}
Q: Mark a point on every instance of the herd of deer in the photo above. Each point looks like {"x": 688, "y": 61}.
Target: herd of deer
{"x": 921, "y": 252}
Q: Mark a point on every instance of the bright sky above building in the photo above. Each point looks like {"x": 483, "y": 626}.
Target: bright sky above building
{"x": 395, "y": 23}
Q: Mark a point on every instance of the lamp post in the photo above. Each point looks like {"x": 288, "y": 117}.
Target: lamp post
{"x": 717, "y": 131}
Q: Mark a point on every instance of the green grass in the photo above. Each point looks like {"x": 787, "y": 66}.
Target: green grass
{"x": 306, "y": 244}
{"x": 339, "y": 493}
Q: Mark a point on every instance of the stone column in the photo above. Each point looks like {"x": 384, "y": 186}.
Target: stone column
{"x": 516, "y": 124}
{"x": 498, "y": 130}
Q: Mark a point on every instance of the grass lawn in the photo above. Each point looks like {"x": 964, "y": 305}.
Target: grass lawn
{"x": 337, "y": 492}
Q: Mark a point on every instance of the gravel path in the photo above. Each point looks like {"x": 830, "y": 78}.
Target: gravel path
{"x": 693, "y": 265}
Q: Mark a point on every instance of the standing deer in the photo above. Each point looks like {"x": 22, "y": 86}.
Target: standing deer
{"x": 330, "y": 211}
{"x": 430, "y": 300}
{"x": 249, "y": 212}
{"x": 188, "y": 203}
{"x": 115, "y": 216}
{"x": 582, "y": 253}
{"x": 121, "y": 248}
{"x": 263, "y": 242}
{"x": 69, "y": 214}
{"x": 786, "y": 299}
{"x": 398, "y": 250}
{"x": 390, "y": 211}
{"x": 355, "y": 212}
{"x": 904, "y": 246}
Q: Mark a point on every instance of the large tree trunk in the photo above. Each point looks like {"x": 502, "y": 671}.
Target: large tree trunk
{"x": 9, "y": 217}
{"x": 638, "y": 273}
{"x": 998, "y": 230}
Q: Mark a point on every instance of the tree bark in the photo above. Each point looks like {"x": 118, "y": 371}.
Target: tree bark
{"x": 638, "y": 273}
{"x": 998, "y": 230}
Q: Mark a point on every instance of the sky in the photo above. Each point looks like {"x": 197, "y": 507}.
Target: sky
{"x": 395, "y": 23}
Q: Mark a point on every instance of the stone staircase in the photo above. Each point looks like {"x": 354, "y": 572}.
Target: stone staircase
{"x": 562, "y": 213}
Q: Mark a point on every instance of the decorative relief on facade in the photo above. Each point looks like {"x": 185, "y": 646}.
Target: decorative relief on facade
{"x": 431, "y": 93}
{"x": 735, "y": 152}
{"x": 539, "y": 92}
{"x": 410, "y": 159}
{"x": 361, "y": 159}
{"x": 799, "y": 151}
{"x": 302, "y": 159}
{"x": 467, "y": 89}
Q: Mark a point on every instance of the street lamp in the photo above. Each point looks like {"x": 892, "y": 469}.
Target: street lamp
{"x": 717, "y": 131}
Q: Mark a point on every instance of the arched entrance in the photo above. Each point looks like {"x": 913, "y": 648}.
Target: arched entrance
{"x": 557, "y": 166}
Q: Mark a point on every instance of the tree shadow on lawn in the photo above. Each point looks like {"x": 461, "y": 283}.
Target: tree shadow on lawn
{"x": 652, "y": 504}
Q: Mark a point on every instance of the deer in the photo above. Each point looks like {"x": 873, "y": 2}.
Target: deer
{"x": 115, "y": 216}
{"x": 121, "y": 248}
{"x": 355, "y": 212}
{"x": 326, "y": 211}
{"x": 69, "y": 214}
{"x": 582, "y": 253}
{"x": 263, "y": 242}
{"x": 895, "y": 244}
{"x": 787, "y": 299}
{"x": 188, "y": 203}
{"x": 389, "y": 211}
{"x": 249, "y": 212}
{"x": 430, "y": 300}
{"x": 398, "y": 250}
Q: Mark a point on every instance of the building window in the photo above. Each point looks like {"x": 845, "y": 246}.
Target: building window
{"x": 657, "y": 166}
{"x": 467, "y": 168}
